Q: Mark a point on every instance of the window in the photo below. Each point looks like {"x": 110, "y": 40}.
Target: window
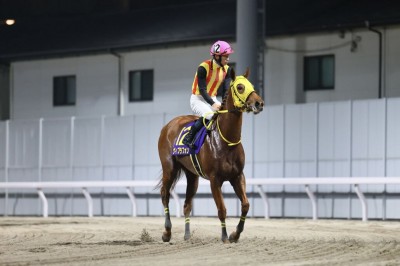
{"x": 64, "y": 90}
{"x": 319, "y": 72}
{"x": 141, "y": 85}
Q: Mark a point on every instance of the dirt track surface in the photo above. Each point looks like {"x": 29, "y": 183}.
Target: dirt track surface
{"x": 137, "y": 241}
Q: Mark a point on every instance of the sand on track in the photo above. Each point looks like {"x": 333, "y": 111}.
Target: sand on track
{"x": 137, "y": 241}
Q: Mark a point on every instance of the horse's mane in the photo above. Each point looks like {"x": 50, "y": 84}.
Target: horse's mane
{"x": 224, "y": 100}
{"x": 223, "y": 104}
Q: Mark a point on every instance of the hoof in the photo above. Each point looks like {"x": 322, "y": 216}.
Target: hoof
{"x": 234, "y": 237}
{"x": 186, "y": 237}
{"x": 225, "y": 241}
{"x": 166, "y": 237}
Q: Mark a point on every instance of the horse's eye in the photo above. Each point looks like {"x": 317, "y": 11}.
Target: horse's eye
{"x": 240, "y": 88}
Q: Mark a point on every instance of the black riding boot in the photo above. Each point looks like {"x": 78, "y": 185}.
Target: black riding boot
{"x": 189, "y": 138}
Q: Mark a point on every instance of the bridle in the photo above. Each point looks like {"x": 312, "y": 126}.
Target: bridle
{"x": 239, "y": 100}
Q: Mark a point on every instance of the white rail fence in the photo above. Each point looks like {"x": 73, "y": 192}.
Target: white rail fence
{"x": 334, "y": 139}
{"x": 257, "y": 182}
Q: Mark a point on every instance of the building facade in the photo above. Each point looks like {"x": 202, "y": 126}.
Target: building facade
{"x": 103, "y": 80}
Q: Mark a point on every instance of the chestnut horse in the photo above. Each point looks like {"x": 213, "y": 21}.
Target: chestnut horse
{"x": 221, "y": 157}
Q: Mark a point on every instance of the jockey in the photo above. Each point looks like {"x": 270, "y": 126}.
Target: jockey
{"x": 211, "y": 75}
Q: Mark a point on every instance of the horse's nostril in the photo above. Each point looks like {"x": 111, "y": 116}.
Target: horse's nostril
{"x": 259, "y": 104}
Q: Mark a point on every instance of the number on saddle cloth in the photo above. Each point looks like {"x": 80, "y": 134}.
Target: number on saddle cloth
{"x": 181, "y": 149}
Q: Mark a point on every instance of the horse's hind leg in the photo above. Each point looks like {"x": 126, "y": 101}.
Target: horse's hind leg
{"x": 239, "y": 185}
{"x": 166, "y": 184}
{"x": 191, "y": 189}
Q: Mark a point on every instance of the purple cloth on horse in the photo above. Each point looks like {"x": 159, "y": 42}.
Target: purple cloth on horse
{"x": 181, "y": 149}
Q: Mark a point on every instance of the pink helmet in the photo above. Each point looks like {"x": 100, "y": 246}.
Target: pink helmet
{"x": 221, "y": 48}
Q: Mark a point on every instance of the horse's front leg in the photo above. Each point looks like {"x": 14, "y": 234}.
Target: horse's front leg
{"x": 239, "y": 185}
{"x": 191, "y": 189}
{"x": 219, "y": 201}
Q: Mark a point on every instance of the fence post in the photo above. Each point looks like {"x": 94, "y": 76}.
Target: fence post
{"x": 363, "y": 202}
{"x": 89, "y": 201}
{"x": 45, "y": 204}
{"x": 133, "y": 201}
{"x": 313, "y": 202}
{"x": 265, "y": 201}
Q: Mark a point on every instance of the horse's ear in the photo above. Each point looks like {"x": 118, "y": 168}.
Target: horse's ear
{"x": 246, "y": 75}
{"x": 233, "y": 74}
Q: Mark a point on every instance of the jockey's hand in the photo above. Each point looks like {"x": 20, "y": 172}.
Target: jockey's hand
{"x": 216, "y": 106}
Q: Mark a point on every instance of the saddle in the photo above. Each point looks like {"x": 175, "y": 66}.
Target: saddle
{"x": 181, "y": 149}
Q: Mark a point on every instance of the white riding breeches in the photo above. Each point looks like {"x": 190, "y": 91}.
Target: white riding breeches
{"x": 200, "y": 107}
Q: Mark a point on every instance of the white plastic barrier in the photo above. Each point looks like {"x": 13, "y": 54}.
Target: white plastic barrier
{"x": 258, "y": 182}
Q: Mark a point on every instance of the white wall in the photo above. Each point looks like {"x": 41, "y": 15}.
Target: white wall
{"x": 96, "y": 81}
{"x": 174, "y": 71}
{"x": 356, "y": 75}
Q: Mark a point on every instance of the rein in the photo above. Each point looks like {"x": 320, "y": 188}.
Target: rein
{"x": 230, "y": 143}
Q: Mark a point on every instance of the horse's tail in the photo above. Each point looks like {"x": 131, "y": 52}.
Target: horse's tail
{"x": 174, "y": 181}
